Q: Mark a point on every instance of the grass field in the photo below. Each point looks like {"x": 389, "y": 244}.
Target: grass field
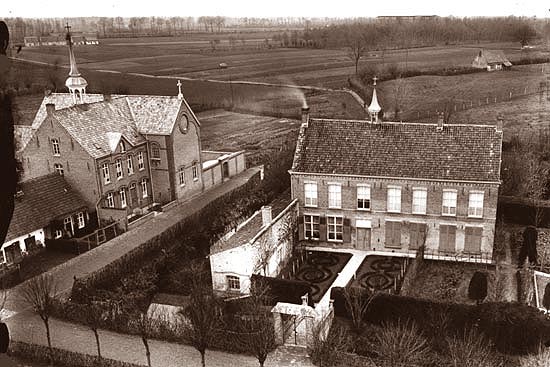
{"x": 425, "y": 93}
{"x": 192, "y": 56}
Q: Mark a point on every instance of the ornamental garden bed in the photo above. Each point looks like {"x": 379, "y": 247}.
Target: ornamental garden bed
{"x": 379, "y": 273}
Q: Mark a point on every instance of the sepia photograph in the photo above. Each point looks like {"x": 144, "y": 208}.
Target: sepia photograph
{"x": 274, "y": 184}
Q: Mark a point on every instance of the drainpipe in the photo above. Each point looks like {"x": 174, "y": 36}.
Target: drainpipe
{"x": 149, "y": 167}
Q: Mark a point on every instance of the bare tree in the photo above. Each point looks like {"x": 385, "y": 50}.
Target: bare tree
{"x": 38, "y": 293}
{"x": 93, "y": 318}
{"x": 325, "y": 349}
{"x": 400, "y": 94}
{"x": 357, "y": 302}
{"x": 200, "y": 318}
{"x": 52, "y": 74}
{"x": 256, "y": 323}
{"x": 355, "y": 44}
{"x": 143, "y": 325}
{"x": 267, "y": 244}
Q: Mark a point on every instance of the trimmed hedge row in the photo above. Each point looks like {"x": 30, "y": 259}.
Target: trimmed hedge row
{"x": 188, "y": 231}
{"x": 514, "y": 328}
{"x": 41, "y": 354}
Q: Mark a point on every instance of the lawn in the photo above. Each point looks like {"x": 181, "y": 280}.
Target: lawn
{"x": 418, "y": 95}
{"x": 320, "y": 269}
{"x": 445, "y": 281}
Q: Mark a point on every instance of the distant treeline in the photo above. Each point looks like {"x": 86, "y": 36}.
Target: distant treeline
{"x": 405, "y": 32}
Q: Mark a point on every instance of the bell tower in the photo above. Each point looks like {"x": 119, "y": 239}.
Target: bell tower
{"x": 76, "y": 83}
{"x": 374, "y": 107}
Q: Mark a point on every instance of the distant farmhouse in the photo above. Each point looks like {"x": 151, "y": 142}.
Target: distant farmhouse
{"x": 60, "y": 40}
{"x": 491, "y": 60}
{"x": 391, "y": 187}
{"x": 124, "y": 155}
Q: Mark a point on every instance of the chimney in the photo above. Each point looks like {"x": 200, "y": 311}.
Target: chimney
{"x": 304, "y": 300}
{"x": 305, "y": 115}
{"x": 440, "y": 117}
{"x": 266, "y": 215}
{"x": 50, "y": 109}
{"x": 106, "y": 97}
{"x": 500, "y": 123}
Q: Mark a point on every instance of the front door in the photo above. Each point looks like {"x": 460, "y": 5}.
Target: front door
{"x": 133, "y": 196}
{"x": 363, "y": 238}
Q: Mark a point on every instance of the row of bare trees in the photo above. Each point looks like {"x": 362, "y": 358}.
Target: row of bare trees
{"x": 202, "y": 320}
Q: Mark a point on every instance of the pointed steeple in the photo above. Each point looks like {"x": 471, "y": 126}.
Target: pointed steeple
{"x": 374, "y": 107}
{"x": 75, "y": 83}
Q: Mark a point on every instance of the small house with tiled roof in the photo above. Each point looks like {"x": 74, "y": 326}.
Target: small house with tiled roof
{"x": 45, "y": 207}
{"x": 491, "y": 60}
{"x": 262, "y": 245}
{"x": 393, "y": 186}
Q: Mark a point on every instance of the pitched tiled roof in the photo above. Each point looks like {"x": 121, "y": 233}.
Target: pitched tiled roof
{"x": 44, "y": 199}
{"x": 61, "y": 101}
{"x": 401, "y": 150}
{"x": 94, "y": 125}
{"x": 252, "y": 227}
{"x": 495, "y": 57}
{"x": 155, "y": 114}
{"x": 23, "y": 134}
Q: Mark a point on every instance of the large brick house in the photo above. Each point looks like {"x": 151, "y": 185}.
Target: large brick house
{"x": 392, "y": 187}
{"x": 116, "y": 151}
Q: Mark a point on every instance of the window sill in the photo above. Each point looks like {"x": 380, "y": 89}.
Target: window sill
{"x": 310, "y": 206}
{"x": 394, "y": 211}
{"x": 418, "y": 213}
{"x": 364, "y": 209}
{"x": 311, "y": 239}
{"x": 448, "y": 215}
{"x": 336, "y": 241}
{"x": 335, "y": 207}
{"x": 195, "y": 179}
{"x": 475, "y": 217}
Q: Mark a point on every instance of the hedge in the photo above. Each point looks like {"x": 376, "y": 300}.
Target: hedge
{"x": 41, "y": 354}
{"x": 514, "y": 328}
{"x": 284, "y": 290}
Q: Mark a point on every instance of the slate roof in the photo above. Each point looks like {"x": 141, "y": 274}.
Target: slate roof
{"x": 22, "y": 134}
{"x": 94, "y": 122}
{"x": 44, "y": 199}
{"x": 253, "y": 226}
{"x": 400, "y": 150}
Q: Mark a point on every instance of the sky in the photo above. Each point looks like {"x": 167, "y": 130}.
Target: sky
{"x": 272, "y": 8}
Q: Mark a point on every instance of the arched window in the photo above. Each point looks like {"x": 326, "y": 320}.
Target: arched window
{"x": 122, "y": 147}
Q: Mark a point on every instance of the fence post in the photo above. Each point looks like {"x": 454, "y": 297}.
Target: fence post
{"x": 510, "y": 94}
{"x": 487, "y": 100}
{"x": 495, "y": 99}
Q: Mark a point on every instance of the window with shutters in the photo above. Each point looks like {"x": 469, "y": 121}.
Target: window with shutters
{"x": 334, "y": 196}
{"x": 394, "y": 199}
{"x": 110, "y": 200}
{"x": 122, "y": 194}
{"x": 393, "y": 234}
{"x": 417, "y": 235}
{"x": 130, "y": 164}
{"x": 447, "y": 239}
{"x": 472, "y": 239}
{"x": 419, "y": 200}
{"x": 141, "y": 165}
{"x": 118, "y": 165}
{"x": 363, "y": 197}
{"x": 449, "y": 203}
{"x": 311, "y": 227}
{"x": 105, "y": 173}
{"x": 475, "y": 204}
{"x": 310, "y": 192}
{"x": 335, "y": 228}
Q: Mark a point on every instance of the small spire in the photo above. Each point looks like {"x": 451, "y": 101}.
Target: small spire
{"x": 374, "y": 107}
{"x": 74, "y": 82}
{"x": 180, "y": 94}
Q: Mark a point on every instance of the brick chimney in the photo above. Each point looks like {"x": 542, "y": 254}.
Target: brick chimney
{"x": 50, "y": 109}
{"x": 305, "y": 115}
{"x": 106, "y": 97}
{"x": 440, "y": 117}
{"x": 266, "y": 215}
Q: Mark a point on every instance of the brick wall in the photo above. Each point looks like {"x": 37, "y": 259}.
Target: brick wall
{"x": 78, "y": 166}
{"x": 378, "y": 215}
